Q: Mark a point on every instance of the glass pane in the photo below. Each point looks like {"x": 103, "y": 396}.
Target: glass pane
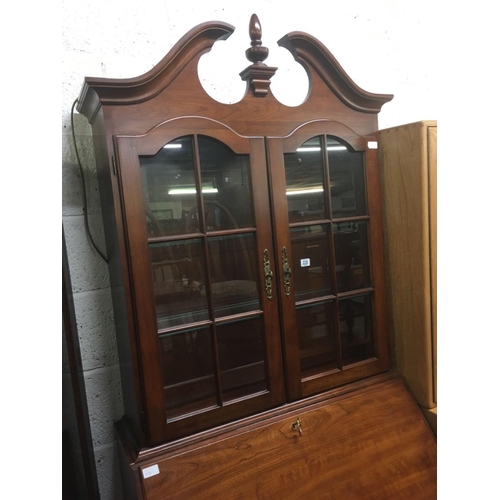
{"x": 233, "y": 274}
{"x": 316, "y": 338}
{"x": 242, "y": 354}
{"x": 311, "y": 266}
{"x": 304, "y": 182}
{"x": 178, "y": 282}
{"x": 225, "y": 186}
{"x": 347, "y": 182}
{"x": 355, "y": 316}
{"x": 351, "y": 255}
{"x": 168, "y": 183}
{"x": 188, "y": 372}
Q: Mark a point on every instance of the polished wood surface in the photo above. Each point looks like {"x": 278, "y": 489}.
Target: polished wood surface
{"x": 409, "y": 170}
{"x": 370, "y": 444}
{"x": 128, "y": 149}
{"x": 136, "y": 117}
{"x": 307, "y": 50}
{"x": 360, "y": 434}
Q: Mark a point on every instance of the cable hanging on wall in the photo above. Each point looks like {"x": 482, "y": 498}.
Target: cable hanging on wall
{"x": 85, "y": 204}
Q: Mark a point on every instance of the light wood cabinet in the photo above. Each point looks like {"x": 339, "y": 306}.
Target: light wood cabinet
{"x": 408, "y": 159}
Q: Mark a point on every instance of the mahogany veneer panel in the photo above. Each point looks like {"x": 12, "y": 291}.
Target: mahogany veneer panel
{"x": 407, "y": 157}
{"x": 371, "y": 444}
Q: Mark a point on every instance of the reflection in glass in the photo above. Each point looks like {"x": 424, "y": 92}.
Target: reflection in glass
{"x": 233, "y": 274}
{"x": 311, "y": 267}
{"x": 226, "y": 186}
{"x": 168, "y": 182}
{"x": 304, "y": 182}
{"x": 178, "y": 282}
{"x": 315, "y": 325}
{"x": 170, "y": 193}
{"x": 347, "y": 185}
{"x": 351, "y": 255}
{"x": 355, "y": 316}
{"x": 242, "y": 355}
{"x": 188, "y": 372}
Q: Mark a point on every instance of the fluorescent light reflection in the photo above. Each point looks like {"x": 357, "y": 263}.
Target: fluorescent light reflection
{"x": 192, "y": 191}
{"x": 317, "y": 148}
{"x": 172, "y": 146}
{"x": 304, "y": 191}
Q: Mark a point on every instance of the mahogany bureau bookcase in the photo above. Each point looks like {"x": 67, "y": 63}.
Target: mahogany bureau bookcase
{"x": 246, "y": 257}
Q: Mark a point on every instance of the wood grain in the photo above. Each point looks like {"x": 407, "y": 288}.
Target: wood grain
{"x": 432, "y": 161}
{"x": 408, "y": 166}
{"x": 372, "y": 445}
{"x": 137, "y": 116}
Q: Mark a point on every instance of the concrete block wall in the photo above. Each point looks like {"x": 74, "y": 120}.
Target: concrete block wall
{"x": 385, "y": 46}
{"x": 93, "y": 305}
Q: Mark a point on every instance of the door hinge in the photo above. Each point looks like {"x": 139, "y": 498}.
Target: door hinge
{"x": 115, "y": 170}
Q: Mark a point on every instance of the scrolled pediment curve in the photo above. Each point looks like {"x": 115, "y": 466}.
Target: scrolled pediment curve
{"x": 98, "y": 91}
{"x": 313, "y": 55}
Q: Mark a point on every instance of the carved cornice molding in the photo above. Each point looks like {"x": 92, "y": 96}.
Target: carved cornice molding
{"x": 194, "y": 44}
{"x": 306, "y": 50}
{"x": 312, "y": 54}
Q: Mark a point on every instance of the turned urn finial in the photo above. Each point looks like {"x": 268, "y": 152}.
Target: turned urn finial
{"x": 256, "y": 53}
{"x": 258, "y": 75}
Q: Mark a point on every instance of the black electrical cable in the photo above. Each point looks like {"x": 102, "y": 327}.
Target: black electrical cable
{"x": 85, "y": 210}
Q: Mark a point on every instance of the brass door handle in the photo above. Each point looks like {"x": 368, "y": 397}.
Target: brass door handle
{"x": 287, "y": 272}
{"x": 297, "y": 426}
{"x": 268, "y": 275}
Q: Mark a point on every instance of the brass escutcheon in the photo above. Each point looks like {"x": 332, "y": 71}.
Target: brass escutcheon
{"x": 297, "y": 426}
{"x": 268, "y": 275}
{"x": 287, "y": 272}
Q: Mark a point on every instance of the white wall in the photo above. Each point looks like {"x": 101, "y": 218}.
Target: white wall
{"x": 385, "y": 46}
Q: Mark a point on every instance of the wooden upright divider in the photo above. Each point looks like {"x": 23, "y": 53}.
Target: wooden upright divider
{"x": 408, "y": 161}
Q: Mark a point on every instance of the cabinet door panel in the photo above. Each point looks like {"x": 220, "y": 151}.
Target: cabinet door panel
{"x": 356, "y": 328}
{"x": 328, "y": 310}
{"x": 242, "y": 358}
{"x": 178, "y": 271}
{"x": 352, "y": 267}
{"x": 225, "y": 181}
{"x": 210, "y": 344}
{"x": 311, "y": 265}
{"x": 188, "y": 372}
{"x": 170, "y": 188}
{"x": 317, "y": 341}
{"x": 305, "y": 182}
{"x": 347, "y": 180}
{"x": 234, "y": 274}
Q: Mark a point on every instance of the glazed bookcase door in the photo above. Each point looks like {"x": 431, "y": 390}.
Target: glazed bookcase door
{"x": 327, "y": 217}
{"x": 201, "y": 255}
